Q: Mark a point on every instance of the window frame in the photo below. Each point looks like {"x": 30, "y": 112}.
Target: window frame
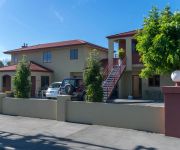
{"x": 74, "y": 54}
{"x": 154, "y": 79}
{"x": 47, "y": 57}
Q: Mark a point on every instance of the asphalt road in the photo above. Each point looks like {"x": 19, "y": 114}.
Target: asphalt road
{"x": 24, "y": 133}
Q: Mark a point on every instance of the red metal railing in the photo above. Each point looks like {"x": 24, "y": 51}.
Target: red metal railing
{"x": 110, "y": 86}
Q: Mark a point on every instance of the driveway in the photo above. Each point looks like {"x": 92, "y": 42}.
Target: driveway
{"x": 40, "y": 134}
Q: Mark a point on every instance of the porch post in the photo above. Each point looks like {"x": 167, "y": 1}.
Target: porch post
{"x": 110, "y": 51}
{"x": 128, "y": 54}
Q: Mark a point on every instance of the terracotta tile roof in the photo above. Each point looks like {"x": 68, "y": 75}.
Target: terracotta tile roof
{"x": 123, "y": 34}
{"x": 34, "y": 67}
{"x": 56, "y": 44}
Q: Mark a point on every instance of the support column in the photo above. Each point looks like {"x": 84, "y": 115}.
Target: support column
{"x": 128, "y": 54}
{"x": 172, "y": 110}
{"x": 110, "y": 51}
{"x": 62, "y": 107}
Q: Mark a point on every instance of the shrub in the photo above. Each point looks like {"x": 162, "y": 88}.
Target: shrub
{"x": 21, "y": 79}
{"x": 93, "y": 78}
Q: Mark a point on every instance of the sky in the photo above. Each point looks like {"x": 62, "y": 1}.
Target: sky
{"x": 42, "y": 21}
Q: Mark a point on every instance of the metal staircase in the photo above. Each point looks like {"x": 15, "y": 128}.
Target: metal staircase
{"x": 112, "y": 74}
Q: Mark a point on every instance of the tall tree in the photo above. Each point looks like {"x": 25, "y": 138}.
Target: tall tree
{"x": 1, "y": 64}
{"x": 159, "y": 42}
{"x": 21, "y": 79}
{"x": 93, "y": 78}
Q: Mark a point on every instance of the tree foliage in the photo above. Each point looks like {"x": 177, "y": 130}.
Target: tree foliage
{"x": 22, "y": 84}
{"x": 93, "y": 78}
{"x": 159, "y": 42}
{"x": 1, "y": 64}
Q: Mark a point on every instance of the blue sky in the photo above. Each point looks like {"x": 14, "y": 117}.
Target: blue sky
{"x": 41, "y": 21}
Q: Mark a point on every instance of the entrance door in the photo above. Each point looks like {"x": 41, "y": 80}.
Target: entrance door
{"x": 6, "y": 83}
{"x": 136, "y": 86}
{"x": 33, "y": 86}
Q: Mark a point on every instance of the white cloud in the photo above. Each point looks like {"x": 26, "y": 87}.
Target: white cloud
{"x": 58, "y": 16}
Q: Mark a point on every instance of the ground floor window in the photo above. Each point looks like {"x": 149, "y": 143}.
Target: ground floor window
{"x": 44, "y": 82}
{"x": 154, "y": 81}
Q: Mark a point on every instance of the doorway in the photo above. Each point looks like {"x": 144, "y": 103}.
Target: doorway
{"x": 136, "y": 86}
{"x": 6, "y": 86}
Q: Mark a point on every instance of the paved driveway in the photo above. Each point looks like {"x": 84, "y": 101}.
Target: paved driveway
{"x": 40, "y": 134}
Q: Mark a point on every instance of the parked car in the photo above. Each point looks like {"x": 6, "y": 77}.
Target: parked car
{"x": 73, "y": 87}
{"x": 53, "y": 90}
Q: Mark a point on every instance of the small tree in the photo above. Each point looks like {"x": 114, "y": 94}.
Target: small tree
{"x": 93, "y": 78}
{"x": 21, "y": 79}
{"x": 159, "y": 42}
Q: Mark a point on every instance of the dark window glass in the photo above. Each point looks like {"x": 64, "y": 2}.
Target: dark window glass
{"x": 154, "y": 81}
{"x": 47, "y": 57}
{"x": 134, "y": 42}
{"x": 44, "y": 82}
{"x": 73, "y": 54}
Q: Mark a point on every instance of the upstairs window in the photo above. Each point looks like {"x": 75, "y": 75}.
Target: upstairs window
{"x": 154, "y": 81}
{"x": 73, "y": 54}
{"x": 134, "y": 42}
{"x": 14, "y": 59}
{"x": 47, "y": 57}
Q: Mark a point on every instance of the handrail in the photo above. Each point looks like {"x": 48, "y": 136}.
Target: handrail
{"x": 117, "y": 75}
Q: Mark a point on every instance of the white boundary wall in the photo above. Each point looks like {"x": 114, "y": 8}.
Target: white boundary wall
{"x": 140, "y": 117}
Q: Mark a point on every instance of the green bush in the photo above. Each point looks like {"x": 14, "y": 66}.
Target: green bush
{"x": 93, "y": 78}
{"x": 21, "y": 80}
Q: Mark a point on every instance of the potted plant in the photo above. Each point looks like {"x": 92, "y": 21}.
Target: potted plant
{"x": 121, "y": 54}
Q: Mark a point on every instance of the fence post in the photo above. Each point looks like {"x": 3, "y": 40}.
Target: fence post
{"x": 2, "y": 95}
{"x": 172, "y": 110}
{"x": 62, "y": 107}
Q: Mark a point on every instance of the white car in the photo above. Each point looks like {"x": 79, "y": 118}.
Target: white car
{"x": 53, "y": 90}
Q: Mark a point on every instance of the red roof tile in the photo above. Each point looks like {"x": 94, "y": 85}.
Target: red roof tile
{"x": 123, "y": 34}
{"x": 56, "y": 44}
{"x": 34, "y": 67}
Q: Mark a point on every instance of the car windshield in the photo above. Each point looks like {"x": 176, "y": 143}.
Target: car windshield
{"x": 55, "y": 85}
{"x": 69, "y": 81}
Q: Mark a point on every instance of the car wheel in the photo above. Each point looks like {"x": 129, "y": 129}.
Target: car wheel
{"x": 68, "y": 89}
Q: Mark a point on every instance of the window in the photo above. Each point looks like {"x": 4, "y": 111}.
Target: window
{"x": 154, "y": 81}
{"x": 14, "y": 59}
{"x": 134, "y": 42}
{"x": 73, "y": 54}
{"x": 47, "y": 56}
{"x": 44, "y": 82}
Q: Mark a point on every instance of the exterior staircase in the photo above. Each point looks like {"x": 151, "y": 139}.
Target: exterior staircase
{"x": 112, "y": 74}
